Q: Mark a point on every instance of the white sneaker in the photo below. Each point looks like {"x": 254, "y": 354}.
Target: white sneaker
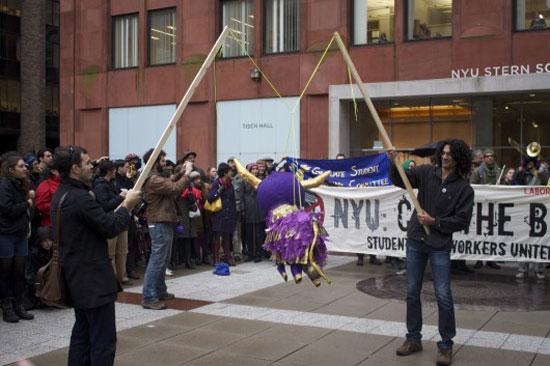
{"x": 540, "y": 276}
{"x": 401, "y": 272}
{"x": 520, "y": 275}
{"x": 169, "y": 272}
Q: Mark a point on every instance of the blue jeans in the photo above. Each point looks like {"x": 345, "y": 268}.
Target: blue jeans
{"x": 13, "y": 246}
{"x": 154, "y": 284}
{"x": 440, "y": 262}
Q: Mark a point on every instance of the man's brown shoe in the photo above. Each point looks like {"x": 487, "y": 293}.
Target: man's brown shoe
{"x": 444, "y": 357}
{"x": 156, "y": 305}
{"x": 167, "y": 296}
{"x": 409, "y": 347}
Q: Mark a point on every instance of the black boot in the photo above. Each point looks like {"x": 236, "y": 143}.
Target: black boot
{"x": 21, "y": 312}
{"x": 8, "y": 313}
{"x": 189, "y": 262}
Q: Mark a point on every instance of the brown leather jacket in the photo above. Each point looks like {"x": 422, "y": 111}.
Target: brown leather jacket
{"x": 160, "y": 194}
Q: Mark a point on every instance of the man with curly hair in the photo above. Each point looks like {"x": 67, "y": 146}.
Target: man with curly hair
{"x": 447, "y": 200}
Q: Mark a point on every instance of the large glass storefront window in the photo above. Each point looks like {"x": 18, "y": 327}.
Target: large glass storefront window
{"x": 429, "y": 19}
{"x": 532, "y": 14}
{"x": 504, "y": 123}
{"x": 373, "y": 21}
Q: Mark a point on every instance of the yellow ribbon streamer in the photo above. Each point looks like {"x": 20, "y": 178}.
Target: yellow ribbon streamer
{"x": 355, "y": 108}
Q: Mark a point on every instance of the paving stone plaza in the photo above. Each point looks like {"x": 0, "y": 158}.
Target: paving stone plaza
{"x": 252, "y": 318}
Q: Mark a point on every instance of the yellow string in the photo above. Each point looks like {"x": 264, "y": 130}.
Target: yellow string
{"x": 232, "y": 36}
{"x": 315, "y": 71}
{"x": 355, "y": 108}
{"x": 215, "y": 86}
{"x": 292, "y": 132}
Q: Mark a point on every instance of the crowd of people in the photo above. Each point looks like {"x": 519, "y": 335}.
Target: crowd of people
{"x": 532, "y": 172}
{"x": 169, "y": 230}
{"x": 105, "y": 228}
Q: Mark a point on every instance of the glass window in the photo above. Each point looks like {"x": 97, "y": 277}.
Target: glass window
{"x": 373, "y": 21}
{"x": 282, "y": 26}
{"x": 162, "y": 37}
{"x": 536, "y": 121}
{"x": 9, "y": 46}
{"x": 52, "y": 100}
{"x": 11, "y": 7}
{"x": 410, "y": 119}
{"x": 52, "y": 48}
{"x": 429, "y": 19}
{"x": 239, "y": 16}
{"x": 125, "y": 41}
{"x": 52, "y": 12}
{"x": 451, "y": 118}
{"x": 532, "y": 14}
{"x": 364, "y": 136}
{"x": 10, "y": 95}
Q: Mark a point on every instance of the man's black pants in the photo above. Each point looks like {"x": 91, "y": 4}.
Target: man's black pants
{"x": 93, "y": 341}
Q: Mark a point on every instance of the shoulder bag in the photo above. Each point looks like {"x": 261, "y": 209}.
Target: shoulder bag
{"x": 50, "y": 285}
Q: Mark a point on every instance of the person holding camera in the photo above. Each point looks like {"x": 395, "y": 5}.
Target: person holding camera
{"x": 91, "y": 285}
{"x": 160, "y": 192}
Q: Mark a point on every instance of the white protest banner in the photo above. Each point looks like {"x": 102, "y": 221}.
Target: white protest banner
{"x": 509, "y": 223}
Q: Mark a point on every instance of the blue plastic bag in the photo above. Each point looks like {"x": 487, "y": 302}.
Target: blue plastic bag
{"x": 222, "y": 269}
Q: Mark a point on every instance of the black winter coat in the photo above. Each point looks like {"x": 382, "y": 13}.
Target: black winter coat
{"x": 123, "y": 182}
{"x": 14, "y": 209}
{"x": 84, "y": 230}
{"x": 106, "y": 194}
{"x": 450, "y": 202}
{"x": 252, "y": 212}
{"x": 525, "y": 178}
{"x": 224, "y": 221}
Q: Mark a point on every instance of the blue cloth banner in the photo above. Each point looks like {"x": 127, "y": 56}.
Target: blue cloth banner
{"x": 366, "y": 171}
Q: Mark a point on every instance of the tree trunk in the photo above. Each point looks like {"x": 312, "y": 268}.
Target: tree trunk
{"x": 32, "y": 135}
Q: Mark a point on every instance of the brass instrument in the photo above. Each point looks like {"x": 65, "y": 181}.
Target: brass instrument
{"x": 533, "y": 149}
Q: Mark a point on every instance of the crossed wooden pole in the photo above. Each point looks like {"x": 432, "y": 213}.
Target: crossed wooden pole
{"x": 200, "y": 75}
{"x": 181, "y": 107}
{"x": 378, "y": 121}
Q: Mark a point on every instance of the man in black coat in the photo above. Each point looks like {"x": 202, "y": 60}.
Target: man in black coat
{"x": 447, "y": 201}
{"x": 90, "y": 281}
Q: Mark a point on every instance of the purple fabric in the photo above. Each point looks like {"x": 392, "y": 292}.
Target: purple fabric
{"x": 290, "y": 237}
{"x": 276, "y": 190}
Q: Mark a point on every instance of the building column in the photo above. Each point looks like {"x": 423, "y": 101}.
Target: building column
{"x": 482, "y": 121}
{"x": 32, "y": 134}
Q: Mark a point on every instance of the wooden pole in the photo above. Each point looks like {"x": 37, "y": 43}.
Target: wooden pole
{"x": 501, "y": 174}
{"x": 181, "y": 107}
{"x": 379, "y": 124}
